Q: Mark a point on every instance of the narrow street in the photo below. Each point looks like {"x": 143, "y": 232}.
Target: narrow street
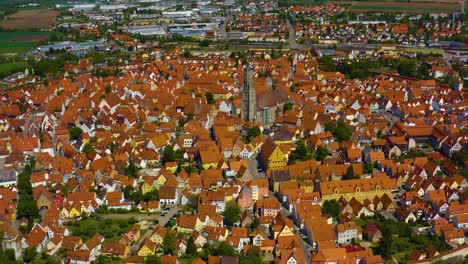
{"x": 254, "y": 168}
{"x": 305, "y": 247}
{"x": 223, "y": 30}
{"x": 292, "y": 36}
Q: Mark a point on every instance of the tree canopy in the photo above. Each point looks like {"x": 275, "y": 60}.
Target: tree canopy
{"x": 132, "y": 169}
{"x": 302, "y": 152}
{"x": 339, "y": 130}
{"x": 232, "y": 213}
{"x": 168, "y": 154}
{"x": 331, "y": 207}
{"x": 169, "y": 244}
{"x": 27, "y": 206}
{"x": 321, "y": 153}
{"x": 252, "y": 133}
{"x": 75, "y": 133}
{"x": 350, "y": 174}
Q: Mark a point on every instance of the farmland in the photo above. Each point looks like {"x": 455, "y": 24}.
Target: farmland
{"x": 29, "y": 19}
{"x": 16, "y": 42}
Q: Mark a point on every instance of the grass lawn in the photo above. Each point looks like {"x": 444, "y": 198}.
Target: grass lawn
{"x": 87, "y": 227}
{"x": 9, "y": 42}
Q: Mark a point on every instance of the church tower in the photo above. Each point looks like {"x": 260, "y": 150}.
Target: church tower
{"x": 249, "y": 100}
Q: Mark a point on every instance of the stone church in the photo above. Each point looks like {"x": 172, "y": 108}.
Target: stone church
{"x": 260, "y": 108}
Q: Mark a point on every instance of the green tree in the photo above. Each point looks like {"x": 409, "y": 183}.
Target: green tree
{"x": 191, "y": 247}
{"x": 29, "y": 254}
{"x": 131, "y": 194}
{"x": 186, "y": 54}
{"x": 326, "y": 64}
{"x": 368, "y": 168}
{"x": 204, "y": 43}
{"x": 331, "y": 207}
{"x": 232, "y": 213}
{"x": 8, "y": 256}
{"x": 218, "y": 249}
{"x": 87, "y": 148}
{"x": 168, "y": 154}
{"x": 210, "y": 98}
{"x": 169, "y": 244}
{"x": 132, "y": 169}
{"x": 255, "y": 223}
{"x": 301, "y": 152}
{"x": 288, "y": 106}
{"x": 384, "y": 247}
{"x": 151, "y": 196}
{"x": 179, "y": 154}
{"x": 342, "y": 132}
{"x": 252, "y": 133}
{"x": 350, "y": 174}
{"x": 108, "y": 89}
{"x": 253, "y": 256}
{"x": 407, "y": 67}
{"x": 321, "y": 153}
{"x": 27, "y": 206}
{"x": 75, "y": 133}
{"x": 339, "y": 130}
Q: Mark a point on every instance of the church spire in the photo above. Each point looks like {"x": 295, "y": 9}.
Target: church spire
{"x": 249, "y": 100}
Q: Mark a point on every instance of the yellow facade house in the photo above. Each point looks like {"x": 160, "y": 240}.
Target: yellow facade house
{"x": 285, "y": 231}
{"x": 360, "y": 189}
{"x": 272, "y": 156}
{"x": 171, "y": 166}
{"x": 74, "y": 212}
{"x": 188, "y": 223}
{"x": 209, "y": 159}
{"x": 158, "y": 235}
{"x": 148, "y": 248}
{"x": 148, "y": 184}
{"x": 160, "y": 180}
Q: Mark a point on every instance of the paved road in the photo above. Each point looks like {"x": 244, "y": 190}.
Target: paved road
{"x": 162, "y": 220}
{"x": 254, "y": 166}
{"x": 393, "y": 119}
{"x": 305, "y": 247}
{"x": 292, "y": 36}
{"x": 223, "y": 31}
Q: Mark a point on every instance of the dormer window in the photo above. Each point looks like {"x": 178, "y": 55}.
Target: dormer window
{"x": 335, "y": 191}
{"x": 377, "y": 187}
{"x": 358, "y": 189}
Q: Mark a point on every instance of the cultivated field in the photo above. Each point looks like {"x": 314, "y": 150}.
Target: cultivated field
{"x": 29, "y": 19}
{"x": 16, "y": 42}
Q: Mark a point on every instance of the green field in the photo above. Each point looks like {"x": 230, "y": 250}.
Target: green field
{"x": 111, "y": 229}
{"x": 8, "y": 43}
